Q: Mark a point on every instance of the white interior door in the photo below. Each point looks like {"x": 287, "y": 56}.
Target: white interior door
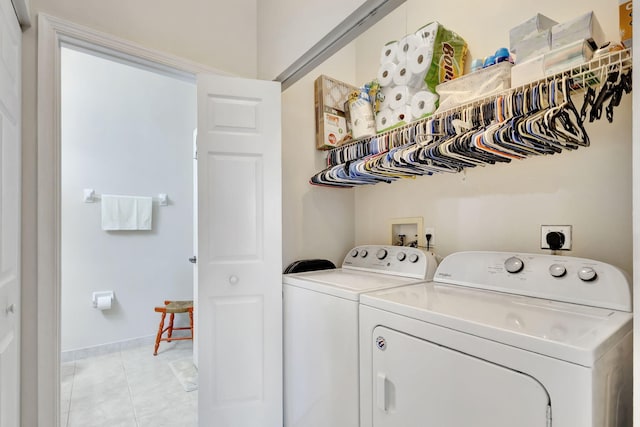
{"x": 418, "y": 383}
{"x": 239, "y": 253}
{"x": 10, "y": 160}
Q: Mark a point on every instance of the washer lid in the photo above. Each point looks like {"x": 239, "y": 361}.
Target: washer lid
{"x": 346, "y": 283}
{"x": 574, "y": 333}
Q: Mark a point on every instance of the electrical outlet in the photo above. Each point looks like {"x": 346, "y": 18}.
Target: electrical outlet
{"x": 564, "y": 229}
{"x": 432, "y": 231}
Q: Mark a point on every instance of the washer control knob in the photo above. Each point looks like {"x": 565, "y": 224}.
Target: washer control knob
{"x": 414, "y": 258}
{"x": 514, "y": 265}
{"x": 401, "y": 256}
{"x": 364, "y": 253}
{"x": 381, "y": 254}
{"x": 557, "y": 270}
{"x": 587, "y": 274}
{"x": 354, "y": 253}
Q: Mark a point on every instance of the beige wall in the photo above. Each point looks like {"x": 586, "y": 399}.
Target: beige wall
{"x": 288, "y": 28}
{"x": 318, "y": 222}
{"x": 501, "y": 207}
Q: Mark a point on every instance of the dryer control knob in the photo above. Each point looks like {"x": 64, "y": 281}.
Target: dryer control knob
{"x": 401, "y": 256}
{"x": 514, "y": 265}
{"x": 414, "y": 258}
{"x": 354, "y": 253}
{"x": 364, "y": 253}
{"x": 557, "y": 270}
{"x": 381, "y": 254}
{"x": 587, "y": 274}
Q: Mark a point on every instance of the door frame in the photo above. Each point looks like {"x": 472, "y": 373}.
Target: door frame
{"x": 52, "y": 33}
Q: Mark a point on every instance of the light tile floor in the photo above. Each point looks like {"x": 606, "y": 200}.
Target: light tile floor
{"x": 129, "y": 388}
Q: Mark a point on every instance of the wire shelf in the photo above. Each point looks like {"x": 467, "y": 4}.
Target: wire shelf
{"x": 588, "y": 74}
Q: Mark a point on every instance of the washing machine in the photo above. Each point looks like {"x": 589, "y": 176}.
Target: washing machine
{"x": 500, "y": 340}
{"x": 321, "y": 344}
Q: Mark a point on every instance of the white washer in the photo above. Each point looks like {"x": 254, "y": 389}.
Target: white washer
{"x": 500, "y": 340}
{"x": 321, "y": 330}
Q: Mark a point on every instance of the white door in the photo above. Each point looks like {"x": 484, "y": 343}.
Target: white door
{"x": 418, "y": 383}
{"x": 10, "y": 159}
{"x": 239, "y": 253}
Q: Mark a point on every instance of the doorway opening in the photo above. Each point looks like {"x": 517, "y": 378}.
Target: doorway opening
{"x": 126, "y": 130}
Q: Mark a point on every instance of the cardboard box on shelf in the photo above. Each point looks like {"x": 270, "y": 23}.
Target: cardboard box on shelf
{"x": 625, "y": 10}
{"x": 331, "y": 124}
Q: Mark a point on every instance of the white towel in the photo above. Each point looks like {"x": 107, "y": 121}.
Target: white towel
{"x": 126, "y": 212}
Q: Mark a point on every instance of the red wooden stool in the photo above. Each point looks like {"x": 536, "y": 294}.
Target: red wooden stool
{"x": 173, "y": 307}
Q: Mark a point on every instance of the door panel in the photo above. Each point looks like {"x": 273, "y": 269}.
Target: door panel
{"x": 418, "y": 383}
{"x": 240, "y": 204}
{"x": 239, "y": 253}
{"x": 10, "y": 160}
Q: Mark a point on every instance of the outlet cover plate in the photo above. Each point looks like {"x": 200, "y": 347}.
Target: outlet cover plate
{"x": 564, "y": 229}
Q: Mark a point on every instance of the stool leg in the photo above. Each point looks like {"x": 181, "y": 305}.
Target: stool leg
{"x": 191, "y": 322}
{"x": 170, "y": 327}
{"x": 160, "y": 328}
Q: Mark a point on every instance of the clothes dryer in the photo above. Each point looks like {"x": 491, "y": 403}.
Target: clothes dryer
{"x": 500, "y": 340}
{"x": 321, "y": 371}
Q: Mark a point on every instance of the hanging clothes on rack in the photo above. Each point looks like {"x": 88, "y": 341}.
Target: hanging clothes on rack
{"x": 532, "y": 120}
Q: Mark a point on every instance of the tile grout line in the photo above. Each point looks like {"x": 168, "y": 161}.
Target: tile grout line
{"x": 126, "y": 376}
{"x": 66, "y": 424}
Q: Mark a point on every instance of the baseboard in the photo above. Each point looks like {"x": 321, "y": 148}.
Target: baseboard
{"x": 113, "y": 347}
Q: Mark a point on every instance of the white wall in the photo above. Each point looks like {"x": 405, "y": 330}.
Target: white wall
{"x": 502, "y": 207}
{"x": 125, "y": 131}
{"x": 317, "y": 222}
{"x": 288, "y": 28}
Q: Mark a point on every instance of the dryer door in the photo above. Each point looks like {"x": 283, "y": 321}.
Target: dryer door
{"x": 418, "y": 383}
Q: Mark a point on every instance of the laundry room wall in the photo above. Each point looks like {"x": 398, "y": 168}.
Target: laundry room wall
{"x": 289, "y": 28}
{"x": 317, "y": 222}
{"x": 501, "y": 207}
{"x": 125, "y": 131}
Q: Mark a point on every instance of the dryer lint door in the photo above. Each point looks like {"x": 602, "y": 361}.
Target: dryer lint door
{"x": 418, "y": 383}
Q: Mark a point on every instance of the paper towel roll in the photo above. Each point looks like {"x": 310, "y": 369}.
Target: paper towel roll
{"x": 406, "y": 46}
{"x": 384, "y": 119}
{"x": 420, "y": 61}
{"x": 423, "y": 103}
{"x": 402, "y": 114}
{"x": 361, "y": 117}
{"x": 388, "y": 53}
{"x": 104, "y": 303}
{"x": 400, "y": 96}
{"x": 404, "y": 77}
{"x": 386, "y": 73}
{"x": 428, "y": 33}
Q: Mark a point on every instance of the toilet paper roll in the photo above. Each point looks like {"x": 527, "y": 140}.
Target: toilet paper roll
{"x": 420, "y": 61}
{"x": 388, "y": 53}
{"x": 423, "y": 103}
{"x": 385, "y": 119}
{"x": 104, "y": 303}
{"x": 406, "y": 46}
{"x": 401, "y": 96}
{"x": 402, "y": 114}
{"x": 404, "y": 77}
{"x": 386, "y": 73}
{"x": 386, "y": 94}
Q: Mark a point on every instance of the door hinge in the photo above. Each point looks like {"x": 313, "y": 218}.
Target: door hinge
{"x": 548, "y": 415}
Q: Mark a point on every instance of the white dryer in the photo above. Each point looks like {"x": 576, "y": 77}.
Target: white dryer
{"x": 321, "y": 376}
{"x": 500, "y": 340}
